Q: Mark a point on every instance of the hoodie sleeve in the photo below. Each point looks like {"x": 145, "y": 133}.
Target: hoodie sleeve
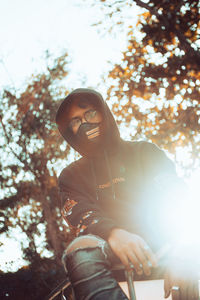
{"x": 159, "y": 168}
{"x": 79, "y": 209}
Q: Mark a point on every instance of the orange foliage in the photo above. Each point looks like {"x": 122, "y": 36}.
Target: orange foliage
{"x": 171, "y": 86}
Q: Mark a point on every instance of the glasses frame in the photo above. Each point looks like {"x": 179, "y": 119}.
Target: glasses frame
{"x": 70, "y": 125}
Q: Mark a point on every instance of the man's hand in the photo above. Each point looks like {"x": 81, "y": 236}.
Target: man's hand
{"x": 183, "y": 272}
{"x": 132, "y": 249}
{"x": 183, "y": 277}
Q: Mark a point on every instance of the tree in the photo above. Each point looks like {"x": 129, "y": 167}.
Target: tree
{"x": 31, "y": 149}
{"x": 158, "y": 79}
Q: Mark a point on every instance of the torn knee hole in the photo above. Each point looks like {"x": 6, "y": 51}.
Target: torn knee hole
{"x": 84, "y": 242}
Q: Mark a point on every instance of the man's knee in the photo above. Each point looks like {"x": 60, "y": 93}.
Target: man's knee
{"x": 83, "y": 242}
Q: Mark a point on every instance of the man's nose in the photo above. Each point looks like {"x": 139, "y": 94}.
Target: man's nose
{"x": 83, "y": 120}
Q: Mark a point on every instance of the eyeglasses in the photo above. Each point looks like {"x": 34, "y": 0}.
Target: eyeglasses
{"x": 91, "y": 116}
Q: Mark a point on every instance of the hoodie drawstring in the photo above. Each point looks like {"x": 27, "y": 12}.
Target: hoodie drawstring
{"x": 109, "y": 175}
{"x": 95, "y": 179}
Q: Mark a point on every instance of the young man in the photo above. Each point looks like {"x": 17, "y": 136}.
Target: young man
{"x": 118, "y": 197}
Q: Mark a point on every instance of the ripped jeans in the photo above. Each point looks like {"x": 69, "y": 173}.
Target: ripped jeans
{"x": 88, "y": 261}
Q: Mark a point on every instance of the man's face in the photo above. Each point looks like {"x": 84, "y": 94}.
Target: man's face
{"x": 77, "y": 115}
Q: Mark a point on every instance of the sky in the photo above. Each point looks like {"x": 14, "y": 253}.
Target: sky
{"x": 27, "y": 30}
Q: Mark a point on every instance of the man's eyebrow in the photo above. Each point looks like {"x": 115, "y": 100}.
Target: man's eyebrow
{"x": 74, "y": 118}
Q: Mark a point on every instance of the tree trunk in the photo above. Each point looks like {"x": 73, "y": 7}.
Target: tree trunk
{"x": 52, "y": 233}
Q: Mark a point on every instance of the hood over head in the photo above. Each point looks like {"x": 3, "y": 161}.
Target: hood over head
{"x": 108, "y": 128}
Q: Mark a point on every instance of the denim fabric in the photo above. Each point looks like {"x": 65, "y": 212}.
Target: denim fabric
{"x": 90, "y": 275}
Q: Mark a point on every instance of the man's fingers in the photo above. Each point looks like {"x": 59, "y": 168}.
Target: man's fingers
{"x": 167, "y": 293}
{"x": 149, "y": 255}
{"x": 185, "y": 291}
{"x": 167, "y": 285}
{"x": 124, "y": 260}
{"x": 176, "y": 293}
{"x": 193, "y": 290}
{"x": 133, "y": 259}
{"x": 143, "y": 260}
{"x": 196, "y": 291}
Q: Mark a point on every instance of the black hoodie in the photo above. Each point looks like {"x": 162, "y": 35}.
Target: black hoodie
{"x": 127, "y": 185}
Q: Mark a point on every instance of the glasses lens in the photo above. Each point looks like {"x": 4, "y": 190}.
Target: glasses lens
{"x": 75, "y": 123}
{"x": 91, "y": 115}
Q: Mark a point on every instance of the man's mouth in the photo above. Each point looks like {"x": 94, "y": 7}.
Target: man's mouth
{"x": 93, "y": 133}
